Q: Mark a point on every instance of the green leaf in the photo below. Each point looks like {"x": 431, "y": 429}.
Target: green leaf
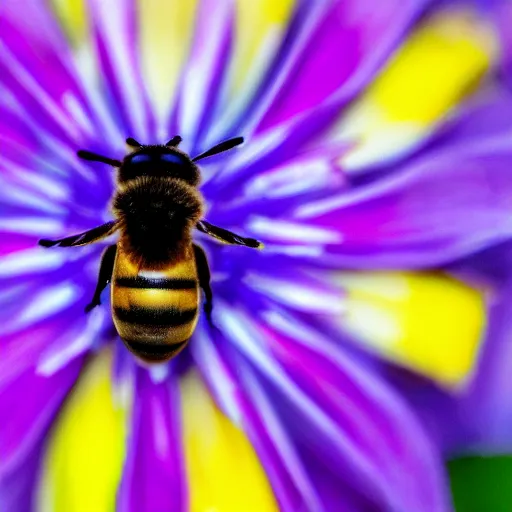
{"x": 482, "y": 484}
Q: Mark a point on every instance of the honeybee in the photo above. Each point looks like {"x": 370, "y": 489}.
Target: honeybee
{"x": 155, "y": 269}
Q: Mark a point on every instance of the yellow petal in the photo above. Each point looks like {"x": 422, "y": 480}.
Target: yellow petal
{"x": 166, "y": 31}
{"x": 442, "y": 62}
{"x": 73, "y": 17}
{"x": 224, "y": 472}
{"x": 259, "y": 29}
{"x": 428, "y": 322}
{"x": 86, "y": 451}
{"x": 259, "y": 23}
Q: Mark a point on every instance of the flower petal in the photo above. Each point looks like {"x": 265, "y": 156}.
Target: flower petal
{"x": 439, "y": 65}
{"x": 279, "y": 138}
{"x": 442, "y": 205}
{"x": 154, "y": 474}
{"x": 87, "y": 445}
{"x": 347, "y": 45}
{"x": 18, "y": 490}
{"x": 257, "y": 25}
{"x": 207, "y": 64}
{"x": 116, "y": 44}
{"x": 259, "y": 28}
{"x": 73, "y": 17}
{"x": 242, "y": 397}
{"x": 25, "y": 425}
{"x": 166, "y": 30}
{"x": 38, "y": 82}
{"x": 350, "y": 421}
{"x": 224, "y": 472}
{"x": 482, "y": 416}
{"x": 428, "y": 322}
{"x": 477, "y": 419}
{"x": 21, "y": 350}
{"x": 501, "y": 11}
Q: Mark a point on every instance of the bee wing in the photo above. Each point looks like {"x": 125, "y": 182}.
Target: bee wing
{"x": 85, "y": 238}
{"x": 227, "y": 236}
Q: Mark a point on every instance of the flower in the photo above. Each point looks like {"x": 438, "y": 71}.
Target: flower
{"x": 348, "y": 170}
{"x": 477, "y": 417}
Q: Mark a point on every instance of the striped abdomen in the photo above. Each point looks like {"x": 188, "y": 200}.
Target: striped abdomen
{"x": 155, "y": 311}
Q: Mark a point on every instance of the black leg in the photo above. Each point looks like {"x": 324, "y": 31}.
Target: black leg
{"x": 203, "y": 272}
{"x": 86, "y": 238}
{"x": 105, "y": 275}
{"x": 227, "y": 236}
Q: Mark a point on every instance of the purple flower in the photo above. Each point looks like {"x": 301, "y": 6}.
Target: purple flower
{"x": 346, "y": 169}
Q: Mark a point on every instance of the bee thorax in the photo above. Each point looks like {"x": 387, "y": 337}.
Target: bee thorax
{"x": 157, "y": 216}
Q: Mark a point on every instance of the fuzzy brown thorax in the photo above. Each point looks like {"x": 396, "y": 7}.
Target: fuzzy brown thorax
{"x": 156, "y": 215}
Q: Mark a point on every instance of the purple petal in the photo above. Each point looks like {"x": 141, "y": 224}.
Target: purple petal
{"x": 34, "y": 35}
{"x": 42, "y": 82}
{"x": 35, "y": 20}
{"x": 207, "y": 63}
{"x": 41, "y": 397}
{"x": 115, "y": 35}
{"x": 249, "y": 184}
{"x": 352, "y": 39}
{"x": 238, "y": 114}
{"x": 260, "y": 421}
{"x": 354, "y": 424}
{"x": 451, "y": 200}
{"x": 154, "y": 476}
{"x": 477, "y": 418}
{"x": 20, "y": 72}
{"x": 501, "y": 11}
{"x": 484, "y": 411}
{"x": 281, "y": 138}
{"x": 21, "y": 350}
{"x": 18, "y": 489}
{"x": 484, "y": 118}
{"x": 300, "y": 479}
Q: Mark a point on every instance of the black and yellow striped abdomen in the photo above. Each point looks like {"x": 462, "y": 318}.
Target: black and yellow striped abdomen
{"x": 155, "y": 311}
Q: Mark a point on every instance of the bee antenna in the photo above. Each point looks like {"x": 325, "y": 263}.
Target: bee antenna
{"x": 133, "y": 143}
{"x": 175, "y": 141}
{"x": 220, "y": 148}
{"x": 93, "y": 157}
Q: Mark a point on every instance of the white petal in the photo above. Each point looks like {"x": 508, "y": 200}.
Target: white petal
{"x": 30, "y": 260}
{"x": 302, "y": 297}
{"x": 38, "y": 93}
{"x": 284, "y": 231}
{"x": 46, "y": 303}
{"x": 31, "y": 226}
{"x": 59, "y": 356}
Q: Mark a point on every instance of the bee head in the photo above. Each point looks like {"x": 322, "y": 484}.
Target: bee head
{"x": 160, "y": 161}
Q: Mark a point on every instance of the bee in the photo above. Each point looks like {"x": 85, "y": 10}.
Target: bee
{"x": 155, "y": 269}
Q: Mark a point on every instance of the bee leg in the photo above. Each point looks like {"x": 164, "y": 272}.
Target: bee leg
{"x": 86, "y": 238}
{"x": 105, "y": 276}
{"x": 203, "y": 272}
{"x": 227, "y": 236}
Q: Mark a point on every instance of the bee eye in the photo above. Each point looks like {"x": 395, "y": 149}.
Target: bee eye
{"x": 137, "y": 159}
{"x": 172, "y": 158}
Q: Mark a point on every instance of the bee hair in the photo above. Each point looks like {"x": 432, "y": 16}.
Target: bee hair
{"x": 156, "y": 217}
